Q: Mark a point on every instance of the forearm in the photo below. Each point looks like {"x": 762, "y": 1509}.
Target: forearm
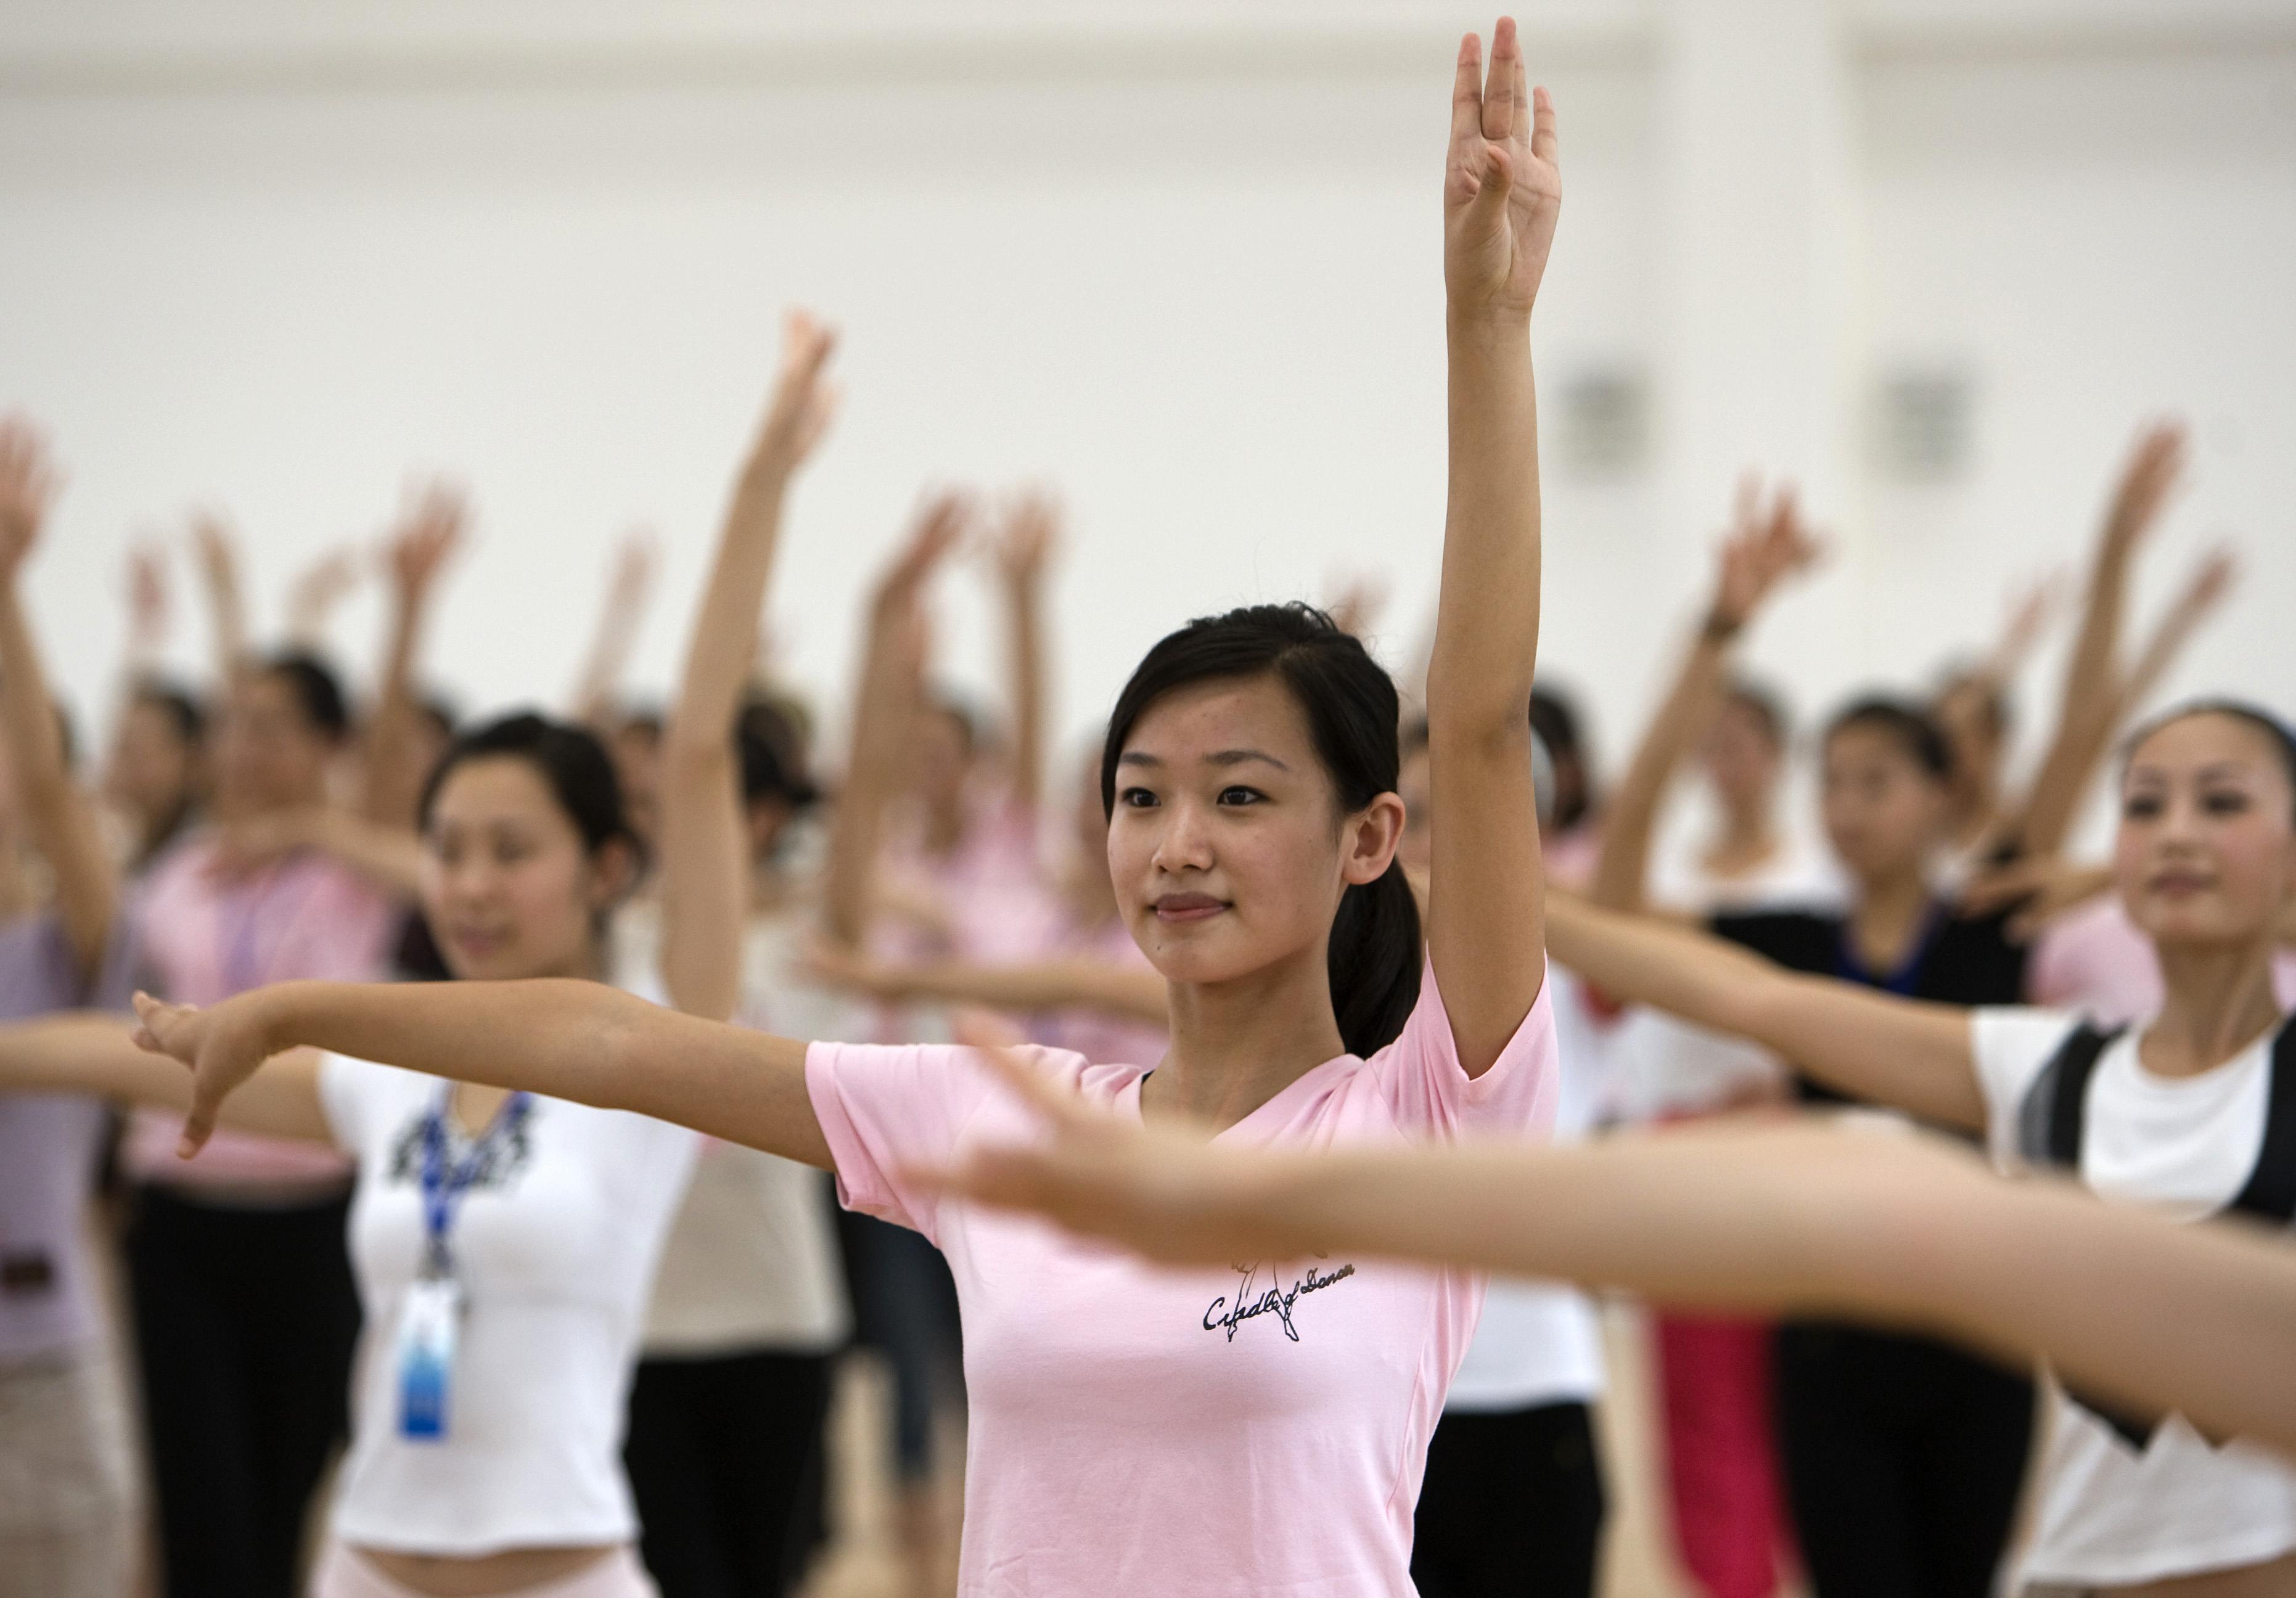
{"x": 705, "y": 879}
{"x": 1025, "y": 644}
{"x": 91, "y": 1052}
{"x": 61, "y": 820}
{"x": 1622, "y": 870}
{"x": 1808, "y": 1221}
{"x": 857, "y": 830}
{"x": 566, "y": 1039}
{"x": 392, "y": 782}
{"x": 1478, "y": 675}
{"x": 388, "y": 857}
{"x": 1126, "y": 992}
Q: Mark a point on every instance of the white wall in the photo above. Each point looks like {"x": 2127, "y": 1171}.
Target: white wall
{"x": 1186, "y": 271}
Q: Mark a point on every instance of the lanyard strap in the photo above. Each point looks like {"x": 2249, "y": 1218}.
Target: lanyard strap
{"x": 445, "y": 1181}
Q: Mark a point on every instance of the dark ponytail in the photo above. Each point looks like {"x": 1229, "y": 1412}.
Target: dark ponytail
{"x": 1350, "y": 705}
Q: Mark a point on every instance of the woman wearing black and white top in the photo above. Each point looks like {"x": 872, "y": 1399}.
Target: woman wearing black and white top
{"x": 510, "y": 1240}
{"x": 2189, "y": 1109}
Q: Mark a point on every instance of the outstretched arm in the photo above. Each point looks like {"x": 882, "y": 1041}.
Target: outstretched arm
{"x": 2090, "y": 706}
{"x": 62, "y": 818}
{"x": 93, "y": 1052}
{"x": 2205, "y": 590}
{"x": 216, "y": 550}
{"x": 1912, "y": 1055}
{"x": 1893, "y": 1229}
{"x": 1030, "y": 541}
{"x": 1501, "y": 193}
{"x": 568, "y": 1039}
{"x": 884, "y": 701}
{"x": 705, "y": 864}
{"x": 1129, "y": 992}
{"x": 598, "y": 688}
{"x": 425, "y": 540}
{"x": 1763, "y": 549}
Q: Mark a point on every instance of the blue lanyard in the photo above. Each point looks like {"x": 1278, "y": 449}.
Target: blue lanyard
{"x": 445, "y": 1181}
{"x": 1908, "y": 978}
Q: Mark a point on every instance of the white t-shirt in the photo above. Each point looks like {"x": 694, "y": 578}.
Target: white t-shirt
{"x": 751, "y": 1262}
{"x": 556, "y": 1248}
{"x": 2109, "y": 1514}
{"x": 1539, "y": 1342}
{"x": 1667, "y": 1068}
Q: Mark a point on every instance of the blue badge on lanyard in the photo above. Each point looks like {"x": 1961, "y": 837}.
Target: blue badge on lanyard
{"x": 430, "y": 1319}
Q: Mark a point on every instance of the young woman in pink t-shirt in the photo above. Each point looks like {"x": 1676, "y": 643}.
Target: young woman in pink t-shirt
{"x": 1258, "y": 1427}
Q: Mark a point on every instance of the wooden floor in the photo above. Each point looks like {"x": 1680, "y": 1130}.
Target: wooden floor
{"x": 864, "y": 1559}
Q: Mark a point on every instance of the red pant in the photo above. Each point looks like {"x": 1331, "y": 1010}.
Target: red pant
{"x": 1731, "y": 1524}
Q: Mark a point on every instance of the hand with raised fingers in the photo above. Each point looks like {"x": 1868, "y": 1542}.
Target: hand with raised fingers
{"x": 1766, "y": 545}
{"x": 804, "y": 401}
{"x": 1502, "y": 189}
{"x": 1028, "y": 539}
{"x": 147, "y": 595}
{"x": 2032, "y": 607}
{"x": 28, "y": 488}
{"x": 222, "y": 1046}
{"x": 2155, "y": 465}
{"x": 1359, "y": 601}
{"x": 1164, "y": 1191}
{"x": 317, "y": 590}
{"x": 941, "y": 523}
{"x": 429, "y": 532}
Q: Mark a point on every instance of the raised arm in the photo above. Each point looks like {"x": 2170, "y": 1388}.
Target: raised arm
{"x": 425, "y": 540}
{"x": 1501, "y": 193}
{"x": 598, "y": 688}
{"x": 1764, "y": 548}
{"x": 2090, "y": 706}
{"x": 148, "y": 616}
{"x": 2209, "y": 583}
{"x": 885, "y": 699}
{"x": 705, "y": 863}
{"x": 215, "y": 549}
{"x": 1912, "y": 1055}
{"x": 1025, "y": 547}
{"x": 317, "y": 593}
{"x": 583, "y": 1041}
{"x": 1890, "y": 1228}
{"x": 62, "y": 818}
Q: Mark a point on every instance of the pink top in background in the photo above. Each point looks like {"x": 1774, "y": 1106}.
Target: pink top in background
{"x": 206, "y": 937}
{"x": 1136, "y": 1430}
{"x": 1097, "y": 1035}
{"x": 2094, "y": 960}
{"x": 991, "y": 886}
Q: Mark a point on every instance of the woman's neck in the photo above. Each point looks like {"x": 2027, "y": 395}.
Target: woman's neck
{"x": 1889, "y": 918}
{"x": 1237, "y": 1044}
{"x": 1747, "y": 843}
{"x": 2219, "y": 1000}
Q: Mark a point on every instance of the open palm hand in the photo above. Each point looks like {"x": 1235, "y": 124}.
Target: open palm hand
{"x": 1502, "y": 189}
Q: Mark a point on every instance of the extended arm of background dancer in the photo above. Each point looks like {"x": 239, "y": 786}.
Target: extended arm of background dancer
{"x": 2092, "y": 703}
{"x": 1912, "y": 1056}
{"x": 1764, "y": 548}
{"x": 1130, "y": 993}
{"x": 1888, "y": 1227}
{"x": 1502, "y": 191}
{"x": 705, "y": 863}
{"x": 885, "y": 704}
{"x": 1024, "y": 549}
{"x": 427, "y": 537}
{"x": 214, "y": 553}
{"x": 596, "y": 700}
{"x": 62, "y": 818}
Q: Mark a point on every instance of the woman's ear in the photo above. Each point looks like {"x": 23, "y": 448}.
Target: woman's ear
{"x": 613, "y": 873}
{"x": 1372, "y": 835}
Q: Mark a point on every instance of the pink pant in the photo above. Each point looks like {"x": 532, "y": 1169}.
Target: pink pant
{"x": 1731, "y": 1524}
{"x": 343, "y": 1573}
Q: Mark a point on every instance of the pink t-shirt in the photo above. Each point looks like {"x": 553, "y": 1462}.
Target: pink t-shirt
{"x": 2095, "y": 959}
{"x": 207, "y": 938}
{"x": 1138, "y": 1429}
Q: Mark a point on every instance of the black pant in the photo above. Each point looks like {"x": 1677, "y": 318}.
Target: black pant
{"x": 245, "y": 1319}
{"x": 1903, "y": 1461}
{"x": 725, "y": 1458}
{"x": 1512, "y": 1506}
{"x": 905, "y": 1306}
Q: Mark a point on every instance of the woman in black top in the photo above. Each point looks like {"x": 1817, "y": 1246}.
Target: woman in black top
{"x": 1903, "y": 1457}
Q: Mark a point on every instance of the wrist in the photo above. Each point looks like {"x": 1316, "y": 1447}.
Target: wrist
{"x": 1486, "y": 319}
{"x": 1720, "y": 626}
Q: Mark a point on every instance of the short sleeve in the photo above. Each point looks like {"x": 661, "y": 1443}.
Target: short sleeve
{"x": 2010, "y": 1046}
{"x": 348, "y": 1089}
{"x": 884, "y": 1110}
{"x": 1429, "y": 1092}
